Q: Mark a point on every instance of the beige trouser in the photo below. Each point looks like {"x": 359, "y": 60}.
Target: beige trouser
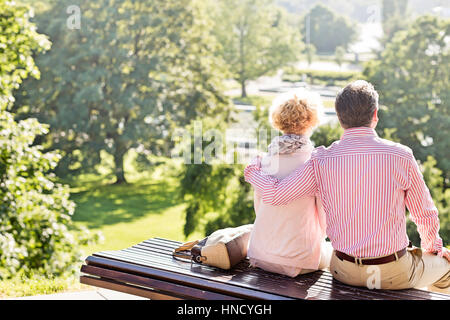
{"x": 415, "y": 269}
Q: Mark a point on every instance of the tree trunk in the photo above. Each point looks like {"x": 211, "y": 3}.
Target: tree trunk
{"x": 119, "y": 169}
{"x": 242, "y": 73}
{"x": 243, "y": 90}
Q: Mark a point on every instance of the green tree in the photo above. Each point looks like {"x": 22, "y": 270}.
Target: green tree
{"x": 413, "y": 80}
{"x": 441, "y": 196}
{"x": 18, "y": 41}
{"x": 255, "y": 38}
{"x": 327, "y": 29}
{"x": 217, "y": 191}
{"x": 339, "y": 55}
{"x": 37, "y": 234}
{"x": 310, "y": 51}
{"x": 395, "y": 16}
{"x": 133, "y": 72}
{"x": 326, "y": 134}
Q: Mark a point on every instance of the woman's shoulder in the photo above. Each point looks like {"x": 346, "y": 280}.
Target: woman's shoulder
{"x": 282, "y": 164}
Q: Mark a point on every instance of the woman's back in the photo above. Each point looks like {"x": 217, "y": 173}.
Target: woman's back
{"x": 287, "y": 239}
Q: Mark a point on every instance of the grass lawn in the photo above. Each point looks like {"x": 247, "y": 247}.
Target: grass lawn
{"x": 256, "y": 100}
{"x": 128, "y": 214}
{"x": 147, "y": 207}
{"x": 328, "y": 104}
{"x": 23, "y": 287}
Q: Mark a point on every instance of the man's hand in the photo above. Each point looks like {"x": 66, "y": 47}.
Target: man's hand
{"x": 446, "y": 254}
{"x": 256, "y": 161}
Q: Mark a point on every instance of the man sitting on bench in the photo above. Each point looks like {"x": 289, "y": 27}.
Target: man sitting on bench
{"x": 364, "y": 183}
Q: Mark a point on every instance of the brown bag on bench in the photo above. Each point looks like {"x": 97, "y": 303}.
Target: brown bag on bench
{"x": 223, "y": 249}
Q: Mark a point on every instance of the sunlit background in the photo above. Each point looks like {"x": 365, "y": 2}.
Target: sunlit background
{"x": 94, "y": 95}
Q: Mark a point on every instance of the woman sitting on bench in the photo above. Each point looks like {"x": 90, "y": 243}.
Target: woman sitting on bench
{"x": 290, "y": 239}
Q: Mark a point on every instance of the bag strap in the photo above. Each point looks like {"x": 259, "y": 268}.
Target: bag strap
{"x": 186, "y": 246}
{"x": 178, "y": 252}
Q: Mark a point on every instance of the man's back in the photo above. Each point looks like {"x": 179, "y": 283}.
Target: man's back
{"x": 362, "y": 180}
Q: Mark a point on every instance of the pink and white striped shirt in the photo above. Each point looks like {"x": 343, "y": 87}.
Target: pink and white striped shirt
{"x": 364, "y": 183}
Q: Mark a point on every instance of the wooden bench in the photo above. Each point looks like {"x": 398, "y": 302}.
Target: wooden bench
{"x": 149, "y": 270}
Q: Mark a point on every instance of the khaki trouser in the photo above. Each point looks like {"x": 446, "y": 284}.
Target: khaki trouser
{"x": 415, "y": 269}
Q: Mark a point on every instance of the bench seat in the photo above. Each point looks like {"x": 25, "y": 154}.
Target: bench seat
{"x": 148, "y": 270}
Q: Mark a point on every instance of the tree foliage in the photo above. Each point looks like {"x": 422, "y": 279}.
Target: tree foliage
{"x": 217, "y": 191}
{"x": 326, "y": 134}
{"x": 394, "y": 17}
{"x": 18, "y": 40}
{"x": 441, "y": 196}
{"x": 359, "y": 10}
{"x": 310, "y": 52}
{"x": 133, "y": 72}
{"x": 255, "y": 38}
{"x": 327, "y": 29}
{"x": 36, "y": 231}
{"x": 413, "y": 80}
{"x": 339, "y": 55}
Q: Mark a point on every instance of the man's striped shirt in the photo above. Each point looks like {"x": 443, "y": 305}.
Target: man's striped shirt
{"x": 364, "y": 182}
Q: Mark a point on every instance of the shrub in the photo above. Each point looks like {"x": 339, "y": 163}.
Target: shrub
{"x": 441, "y": 196}
{"x": 326, "y": 134}
{"x": 37, "y": 234}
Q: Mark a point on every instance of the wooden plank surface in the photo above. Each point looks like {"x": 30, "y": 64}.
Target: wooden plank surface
{"x": 172, "y": 277}
{"x": 163, "y": 288}
{"x": 152, "y": 260}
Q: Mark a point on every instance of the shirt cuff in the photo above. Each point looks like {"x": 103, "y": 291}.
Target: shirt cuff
{"x": 436, "y": 247}
{"x": 254, "y": 165}
{"x": 255, "y": 162}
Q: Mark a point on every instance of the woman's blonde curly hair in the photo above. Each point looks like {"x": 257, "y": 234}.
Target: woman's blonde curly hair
{"x": 296, "y": 112}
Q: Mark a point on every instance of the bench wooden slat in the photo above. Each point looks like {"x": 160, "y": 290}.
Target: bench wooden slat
{"x": 150, "y": 264}
{"x": 257, "y": 280}
{"x": 411, "y": 293}
{"x": 165, "y": 240}
{"x": 164, "y": 288}
{"x": 322, "y": 283}
{"x": 147, "y": 250}
{"x": 205, "y": 272}
{"x": 181, "y": 279}
{"x": 151, "y": 245}
{"x": 253, "y": 282}
{"x": 371, "y": 293}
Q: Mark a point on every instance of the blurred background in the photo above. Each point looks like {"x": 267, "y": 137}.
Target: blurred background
{"x": 94, "y": 93}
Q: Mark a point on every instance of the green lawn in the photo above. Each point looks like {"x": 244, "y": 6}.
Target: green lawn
{"x": 37, "y": 285}
{"x": 131, "y": 213}
{"x": 256, "y": 100}
{"x": 328, "y": 103}
{"x": 149, "y": 206}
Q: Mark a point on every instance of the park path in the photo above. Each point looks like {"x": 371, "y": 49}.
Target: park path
{"x": 96, "y": 294}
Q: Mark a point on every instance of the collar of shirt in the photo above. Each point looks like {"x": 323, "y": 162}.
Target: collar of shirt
{"x": 358, "y": 132}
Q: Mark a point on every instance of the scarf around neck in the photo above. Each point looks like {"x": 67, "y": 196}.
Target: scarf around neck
{"x": 289, "y": 143}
